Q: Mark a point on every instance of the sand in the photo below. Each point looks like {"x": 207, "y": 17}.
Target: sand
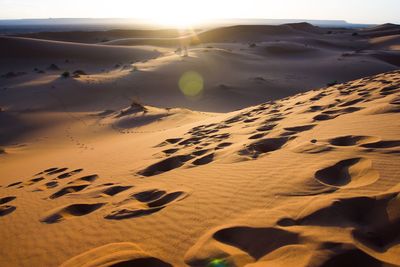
{"x": 117, "y": 167}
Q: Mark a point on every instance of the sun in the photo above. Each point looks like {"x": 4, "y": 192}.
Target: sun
{"x": 180, "y": 22}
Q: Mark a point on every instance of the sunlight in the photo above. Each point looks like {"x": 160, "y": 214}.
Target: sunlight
{"x": 178, "y": 21}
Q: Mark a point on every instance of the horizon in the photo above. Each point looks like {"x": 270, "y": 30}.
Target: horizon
{"x": 179, "y": 13}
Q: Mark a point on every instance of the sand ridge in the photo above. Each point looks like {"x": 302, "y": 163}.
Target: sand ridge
{"x": 288, "y": 156}
{"x": 266, "y": 185}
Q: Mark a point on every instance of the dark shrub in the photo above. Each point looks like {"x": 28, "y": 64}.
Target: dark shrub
{"x": 65, "y": 74}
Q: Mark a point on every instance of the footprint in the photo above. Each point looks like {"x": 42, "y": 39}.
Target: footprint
{"x": 388, "y": 90}
{"x": 324, "y": 117}
{"x": 148, "y": 202}
{"x": 204, "y": 160}
{"x": 6, "y": 209}
{"x": 101, "y": 191}
{"x": 165, "y": 165}
{"x": 48, "y": 185}
{"x": 51, "y": 184}
{"x": 200, "y": 152}
{"x": 223, "y": 145}
{"x": 298, "y": 129}
{"x": 240, "y": 246}
{"x": 5, "y": 200}
{"x": 382, "y": 144}
{"x": 56, "y": 170}
{"x": 14, "y": 184}
{"x": 263, "y": 146}
{"x": 68, "y": 190}
{"x": 169, "y": 141}
{"x": 257, "y": 242}
{"x": 88, "y": 178}
{"x": 50, "y": 170}
{"x": 69, "y": 174}
{"x": 170, "y": 151}
{"x": 257, "y": 136}
{"x": 331, "y": 114}
{"x": 349, "y": 173}
{"x": 351, "y": 140}
{"x": 267, "y": 127}
{"x": 191, "y": 141}
{"x": 34, "y": 181}
{"x": 351, "y": 102}
{"x": 73, "y": 210}
{"x": 116, "y": 255}
{"x": 312, "y": 148}
{"x": 351, "y": 257}
{"x": 149, "y": 195}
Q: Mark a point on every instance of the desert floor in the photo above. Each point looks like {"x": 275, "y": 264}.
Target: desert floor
{"x": 267, "y": 165}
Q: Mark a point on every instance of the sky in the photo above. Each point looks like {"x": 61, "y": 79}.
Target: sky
{"x": 194, "y": 11}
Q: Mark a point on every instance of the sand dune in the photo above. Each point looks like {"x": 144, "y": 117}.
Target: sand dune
{"x": 307, "y": 180}
{"x": 286, "y": 155}
{"x": 247, "y": 74}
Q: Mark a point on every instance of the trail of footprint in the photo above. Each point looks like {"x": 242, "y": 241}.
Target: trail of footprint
{"x": 374, "y": 220}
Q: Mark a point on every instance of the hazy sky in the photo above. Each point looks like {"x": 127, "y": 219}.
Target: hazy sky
{"x": 356, "y": 11}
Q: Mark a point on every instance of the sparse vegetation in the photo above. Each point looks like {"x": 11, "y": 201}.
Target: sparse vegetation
{"x": 78, "y": 73}
{"x": 53, "y": 67}
{"x": 65, "y": 74}
{"x": 261, "y": 79}
{"x": 136, "y": 104}
{"x": 332, "y": 83}
{"x": 12, "y": 74}
{"x": 223, "y": 86}
{"x": 135, "y": 107}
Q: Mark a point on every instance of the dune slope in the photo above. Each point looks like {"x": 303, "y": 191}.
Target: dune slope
{"x": 307, "y": 180}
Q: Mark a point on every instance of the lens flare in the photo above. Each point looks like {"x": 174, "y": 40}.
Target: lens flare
{"x": 217, "y": 263}
{"x": 191, "y": 83}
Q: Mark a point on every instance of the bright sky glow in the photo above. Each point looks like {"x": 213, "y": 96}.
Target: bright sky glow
{"x": 181, "y": 12}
